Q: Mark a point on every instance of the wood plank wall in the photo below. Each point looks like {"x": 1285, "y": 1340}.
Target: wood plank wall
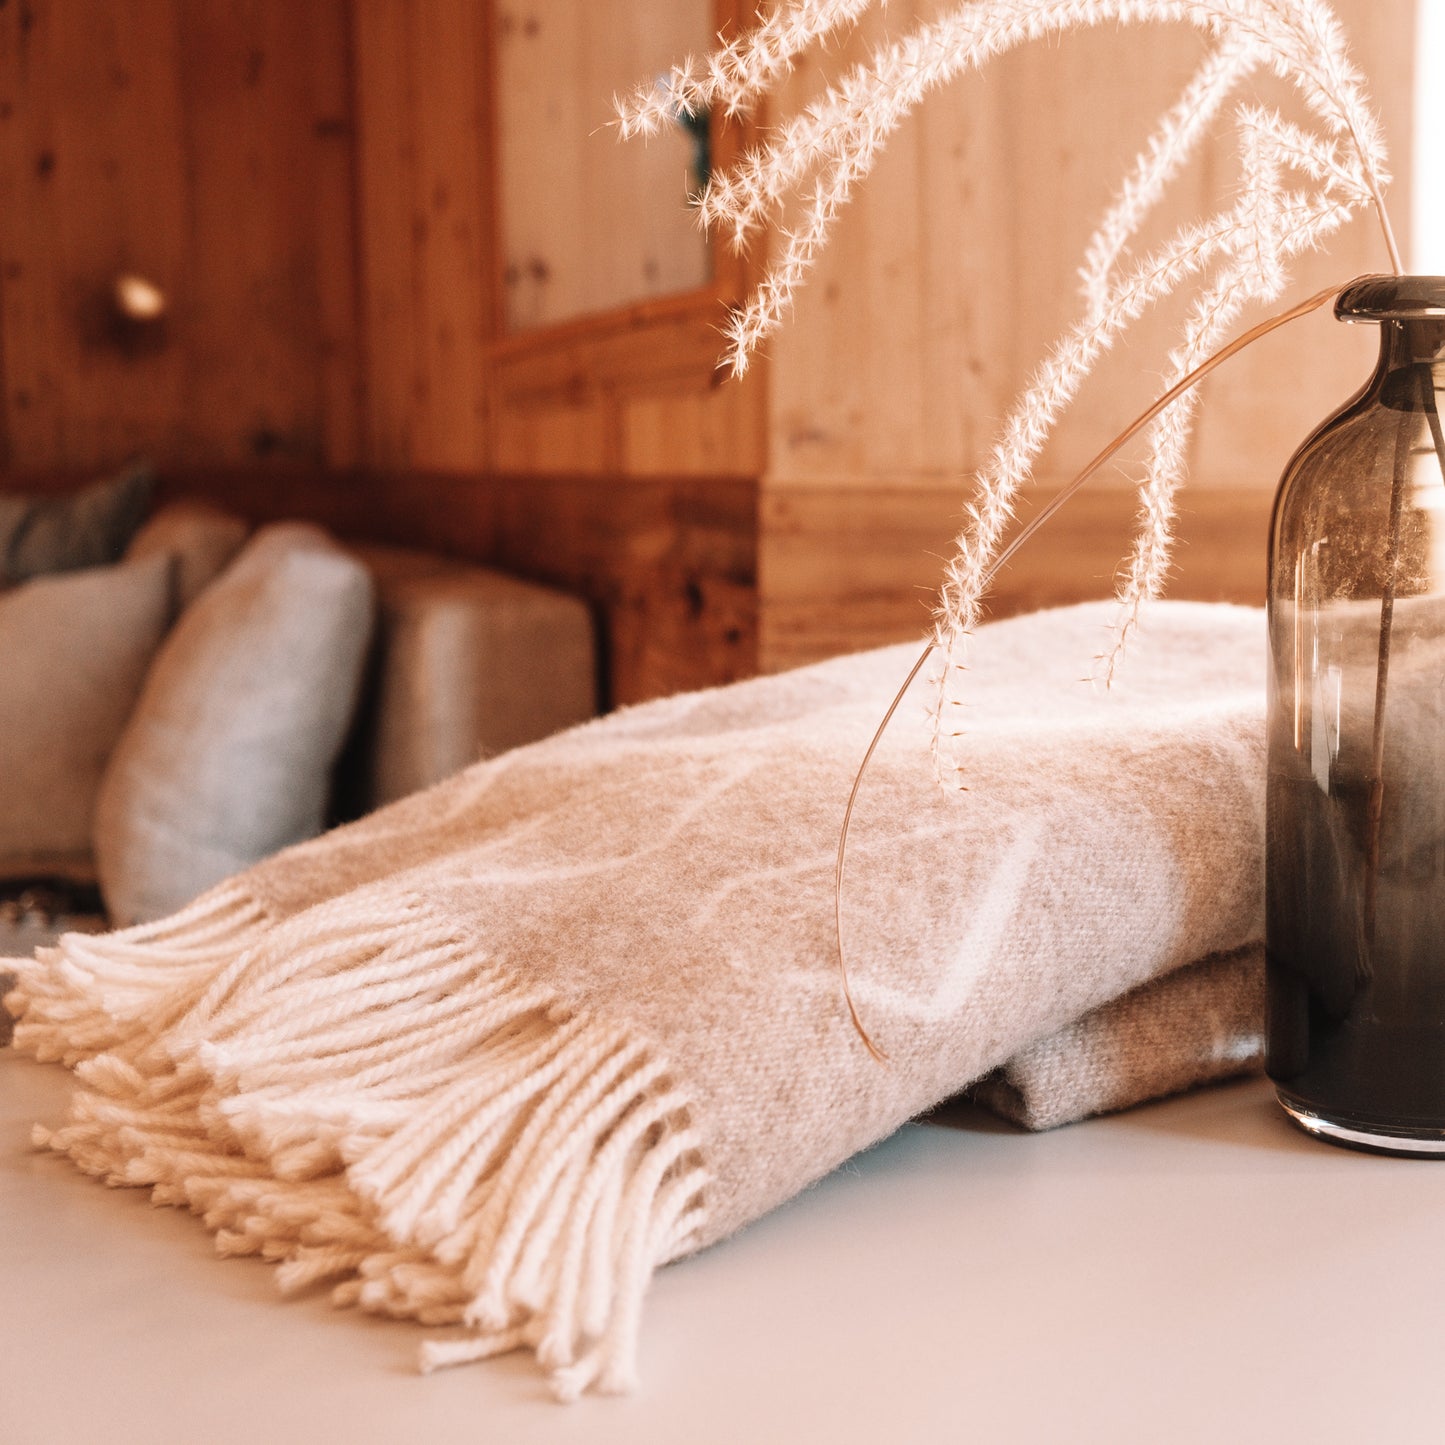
{"x": 947, "y": 279}
{"x": 587, "y": 223}
{"x": 953, "y": 269}
{"x": 310, "y": 186}
{"x": 423, "y": 127}
{"x": 204, "y": 146}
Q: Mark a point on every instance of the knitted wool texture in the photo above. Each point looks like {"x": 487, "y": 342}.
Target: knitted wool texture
{"x": 1197, "y": 1025}
{"x": 493, "y": 1054}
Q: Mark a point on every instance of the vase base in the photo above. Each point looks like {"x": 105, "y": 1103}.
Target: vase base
{"x": 1418, "y": 1143}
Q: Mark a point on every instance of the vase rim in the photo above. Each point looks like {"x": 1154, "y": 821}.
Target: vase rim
{"x": 1392, "y": 298}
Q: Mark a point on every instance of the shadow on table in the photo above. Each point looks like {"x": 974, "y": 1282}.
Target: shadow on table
{"x": 960, "y": 1112}
{"x": 1236, "y": 1112}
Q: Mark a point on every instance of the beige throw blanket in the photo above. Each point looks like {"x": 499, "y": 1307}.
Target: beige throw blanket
{"x": 490, "y": 1056}
{"x": 1198, "y": 1025}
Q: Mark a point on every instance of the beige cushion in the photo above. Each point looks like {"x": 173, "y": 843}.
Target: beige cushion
{"x": 74, "y": 650}
{"x": 229, "y": 754}
{"x": 203, "y": 540}
{"x": 87, "y": 528}
{"x": 471, "y": 662}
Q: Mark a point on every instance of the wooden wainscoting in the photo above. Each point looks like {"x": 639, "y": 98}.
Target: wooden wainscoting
{"x": 847, "y": 567}
{"x": 703, "y": 580}
{"x": 670, "y": 562}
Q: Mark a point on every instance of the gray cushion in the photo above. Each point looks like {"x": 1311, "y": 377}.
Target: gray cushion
{"x": 229, "y": 753}
{"x": 203, "y": 540}
{"x": 74, "y": 650}
{"x": 88, "y": 528}
{"x": 473, "y": 662}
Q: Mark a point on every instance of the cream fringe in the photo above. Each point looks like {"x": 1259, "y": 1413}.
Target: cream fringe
{"x": 366, "y": 1101}
{"x": 102, "y": 993}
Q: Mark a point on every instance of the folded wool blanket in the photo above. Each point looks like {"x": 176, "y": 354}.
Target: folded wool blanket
{"x": 495, "y": 1053}
{"x": 1199, "y": 1025}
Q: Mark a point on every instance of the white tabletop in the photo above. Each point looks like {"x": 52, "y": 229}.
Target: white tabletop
{"x": 1190, "y": 1271}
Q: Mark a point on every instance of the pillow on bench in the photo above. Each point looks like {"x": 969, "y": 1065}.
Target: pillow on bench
{"x": 228, "y": 755}
{"x": 74, "y": 650}
{"x": 470, "y": 662}
{"x": 88, "y": 528}
{"x": 203, "y": 539}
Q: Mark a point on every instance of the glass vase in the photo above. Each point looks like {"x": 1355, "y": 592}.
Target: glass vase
{"x": 1355, "y": 811}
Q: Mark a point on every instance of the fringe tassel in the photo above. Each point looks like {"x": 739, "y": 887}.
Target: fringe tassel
{"x": 114, "y": 993}
{"x": 368, "y": 1103}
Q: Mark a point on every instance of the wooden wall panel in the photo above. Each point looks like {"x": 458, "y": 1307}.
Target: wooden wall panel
{"x": 661, "y": 430}
{"x": 310, "y": 185}
{"x": 954, "y": 268}
{"x": 635, "y": 393}
{"x": 884, "y": 366}
{"x": 947, "y": 279}
{"x": 256, "y": 314}
{"x": 565, "y": 434}
{"x": 333, "y": 178}
{"x": 179, "y": 140}
{"x": 588, "y": 224}
{"x": 714, "y": 432}
{"x": 423, "y": 125}
{"x": 1257, "y": 412}
{"x": 841, "y": 567}
{"x": 92, "y": 184}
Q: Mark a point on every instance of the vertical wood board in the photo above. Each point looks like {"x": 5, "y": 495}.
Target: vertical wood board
{"x": 177, "y": 142}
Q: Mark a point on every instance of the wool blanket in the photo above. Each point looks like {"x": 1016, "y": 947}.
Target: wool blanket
{"x": 1198, "y": 1025}
{"x": 491, "y": 1056}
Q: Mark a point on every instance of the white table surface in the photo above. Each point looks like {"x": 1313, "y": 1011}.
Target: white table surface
{"x": 1189, "y": 1271}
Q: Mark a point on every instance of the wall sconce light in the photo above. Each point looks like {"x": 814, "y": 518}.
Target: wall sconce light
{"x": 128, "y": 314}
{"x": 139, "y": 300}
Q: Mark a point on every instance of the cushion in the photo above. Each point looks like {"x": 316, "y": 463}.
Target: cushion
{"x": 88, "y": 528}
{"x": 229, "y": 753}
{"x": 472, "y": 662}
{"x": 202, "y": 538}
{"x": 74, "y": 650}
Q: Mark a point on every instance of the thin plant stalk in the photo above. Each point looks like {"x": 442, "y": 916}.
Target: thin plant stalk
{"x": 1432, "y": 413}
{"x": 1185, "y": 383}
{"x": 1377, "y": 199}
{"x": 1375, "y": 817}
{"x": 1382, "y": 676}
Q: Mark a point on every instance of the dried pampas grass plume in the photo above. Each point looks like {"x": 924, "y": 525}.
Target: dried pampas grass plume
{"x": 1298, "y": 185}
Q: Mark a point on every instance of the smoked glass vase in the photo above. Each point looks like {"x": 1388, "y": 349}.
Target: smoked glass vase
{"x": 1355, "y": 812}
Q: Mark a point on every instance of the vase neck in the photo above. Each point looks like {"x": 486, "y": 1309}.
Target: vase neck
{"x": 1413, "y": 343}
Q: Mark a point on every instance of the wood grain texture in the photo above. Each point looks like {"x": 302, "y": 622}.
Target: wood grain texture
{"x": 844, "y": 567}
{"x": 339, "y": 359}
{"x": 953, "y": 270}
{"x": 425, "y": 233}
{"x": 634, "y": 393}
{"x": 312, "y": 186}
{"x": 93, "y": 184}
{"x": 588, "y": 224}
{"x": 948, "y": 278}
{"x": 635, "y": 389}
{"x": 177, "y": 140}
